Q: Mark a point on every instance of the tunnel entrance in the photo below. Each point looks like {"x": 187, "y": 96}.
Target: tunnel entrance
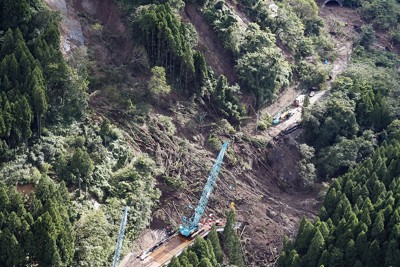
{"x": 333, "y": 3}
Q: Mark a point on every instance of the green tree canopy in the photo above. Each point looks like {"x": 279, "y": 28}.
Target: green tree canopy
{"x": 358, "y": 224}
{"x": 158, "y": 84}
{"x": 213, "y": 237}
{"x": 264, "y": 72}
{"x": 36, "y": 229}
{"x": 82, "y": 165}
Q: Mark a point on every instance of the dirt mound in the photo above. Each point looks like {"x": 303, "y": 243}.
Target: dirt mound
{"x": 25, "y": 189}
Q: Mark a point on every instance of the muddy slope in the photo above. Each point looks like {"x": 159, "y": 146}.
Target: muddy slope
{"x": 266, "y": 211}
{"x": 216, "y": 55}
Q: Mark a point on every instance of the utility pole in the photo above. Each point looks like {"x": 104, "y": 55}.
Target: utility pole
{"x": 120, "y": 237}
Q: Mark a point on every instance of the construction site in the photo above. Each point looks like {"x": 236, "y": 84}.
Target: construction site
{"x": 174, "y": 243}
{"x": 277, "y": 201}
{"x": 162, "y": 253}
{"x": 260, "y": 175}
{"x": 170, "y": 243}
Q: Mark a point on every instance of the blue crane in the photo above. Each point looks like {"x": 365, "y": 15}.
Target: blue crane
{"x": 190, "y": 225}
{"x": 120, "y": 237}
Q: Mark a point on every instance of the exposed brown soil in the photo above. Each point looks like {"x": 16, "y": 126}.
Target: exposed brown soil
{"x": 264, "y": 185}
{"x": 25, "y": 189}
{"x": 243, "y": 18}
{"x": 105, "y": 11}
{"x": 267, "y": 194}
{"x": 277, "y": 204}
{"x": 262, "y": 181}
{"x": 111, "y": 44}
{"x": 214, "y": 52}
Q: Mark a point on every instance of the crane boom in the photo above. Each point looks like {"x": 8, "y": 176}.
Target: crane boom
{"x": 190, "y": 225}
{"x": 120, "y": 237}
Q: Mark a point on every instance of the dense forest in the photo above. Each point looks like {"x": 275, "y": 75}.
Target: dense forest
{"x": 36, "y": 229}
{"x": 83, "y": 160}
{"x": 346, "y": 125}
{"x": 209, "y": 253}
{"x": 36, "y": 83}
{"x": 43, "y": 133}
{"x": 353, "y": 135}
{"x": 359, "y": 222}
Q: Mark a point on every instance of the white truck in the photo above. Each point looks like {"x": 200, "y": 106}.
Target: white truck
{"x": 299, "y": 100}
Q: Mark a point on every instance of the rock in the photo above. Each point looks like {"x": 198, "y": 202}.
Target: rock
{"x": 71, "y": 29}
{"x": 272, "y": 214}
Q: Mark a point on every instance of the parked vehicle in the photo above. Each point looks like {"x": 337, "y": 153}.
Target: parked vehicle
{"x": 276, "y": 119}
{"x": 286, "y": 115}
{"x": 299, "y": 100}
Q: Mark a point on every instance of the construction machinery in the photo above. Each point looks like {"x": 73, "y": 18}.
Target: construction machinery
{"x": 161, "y": 253}
{"x": 192, "y": 224}
{"x": 281, "y": 117}
{"x": 121, "y": 234}
{"x": 276, "y": 119}
{"x": 299, "y": 100}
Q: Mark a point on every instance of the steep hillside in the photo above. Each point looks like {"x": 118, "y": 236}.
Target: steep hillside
{"x": 357, "y": 225}
{"x": 216, "y": 56}
{"x": 249, "y": 176}
{"x": 127, "y": 103}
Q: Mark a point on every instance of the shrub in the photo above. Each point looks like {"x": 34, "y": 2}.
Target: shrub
{"x": 262, "y": 126}
{"x": 175, "y": 183}
{"x": 214, "y": 142}
{"x": 167, "y": 125}
{"x": 383, "y": 13}
{"x": 305, "y": 48}
{"x": 264, "y": 72}
{"x": 225, "y": 99}
{"x": 312, "y": 75}
{"x": 158, "y": 84}
{"x": 367, "y": 36}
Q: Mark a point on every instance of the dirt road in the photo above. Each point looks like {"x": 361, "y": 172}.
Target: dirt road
{"x": 296, "y": 117}
{"x": 261, "y": 203}
{"x": 333, "y": 16}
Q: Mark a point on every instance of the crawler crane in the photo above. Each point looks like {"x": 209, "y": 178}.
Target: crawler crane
{"x": 192, "y": 224}
{"x": 121, "y": 234}
{"x": 162, "y": 252}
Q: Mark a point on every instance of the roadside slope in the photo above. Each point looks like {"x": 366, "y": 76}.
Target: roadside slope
{"x": 343, "y": 38}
